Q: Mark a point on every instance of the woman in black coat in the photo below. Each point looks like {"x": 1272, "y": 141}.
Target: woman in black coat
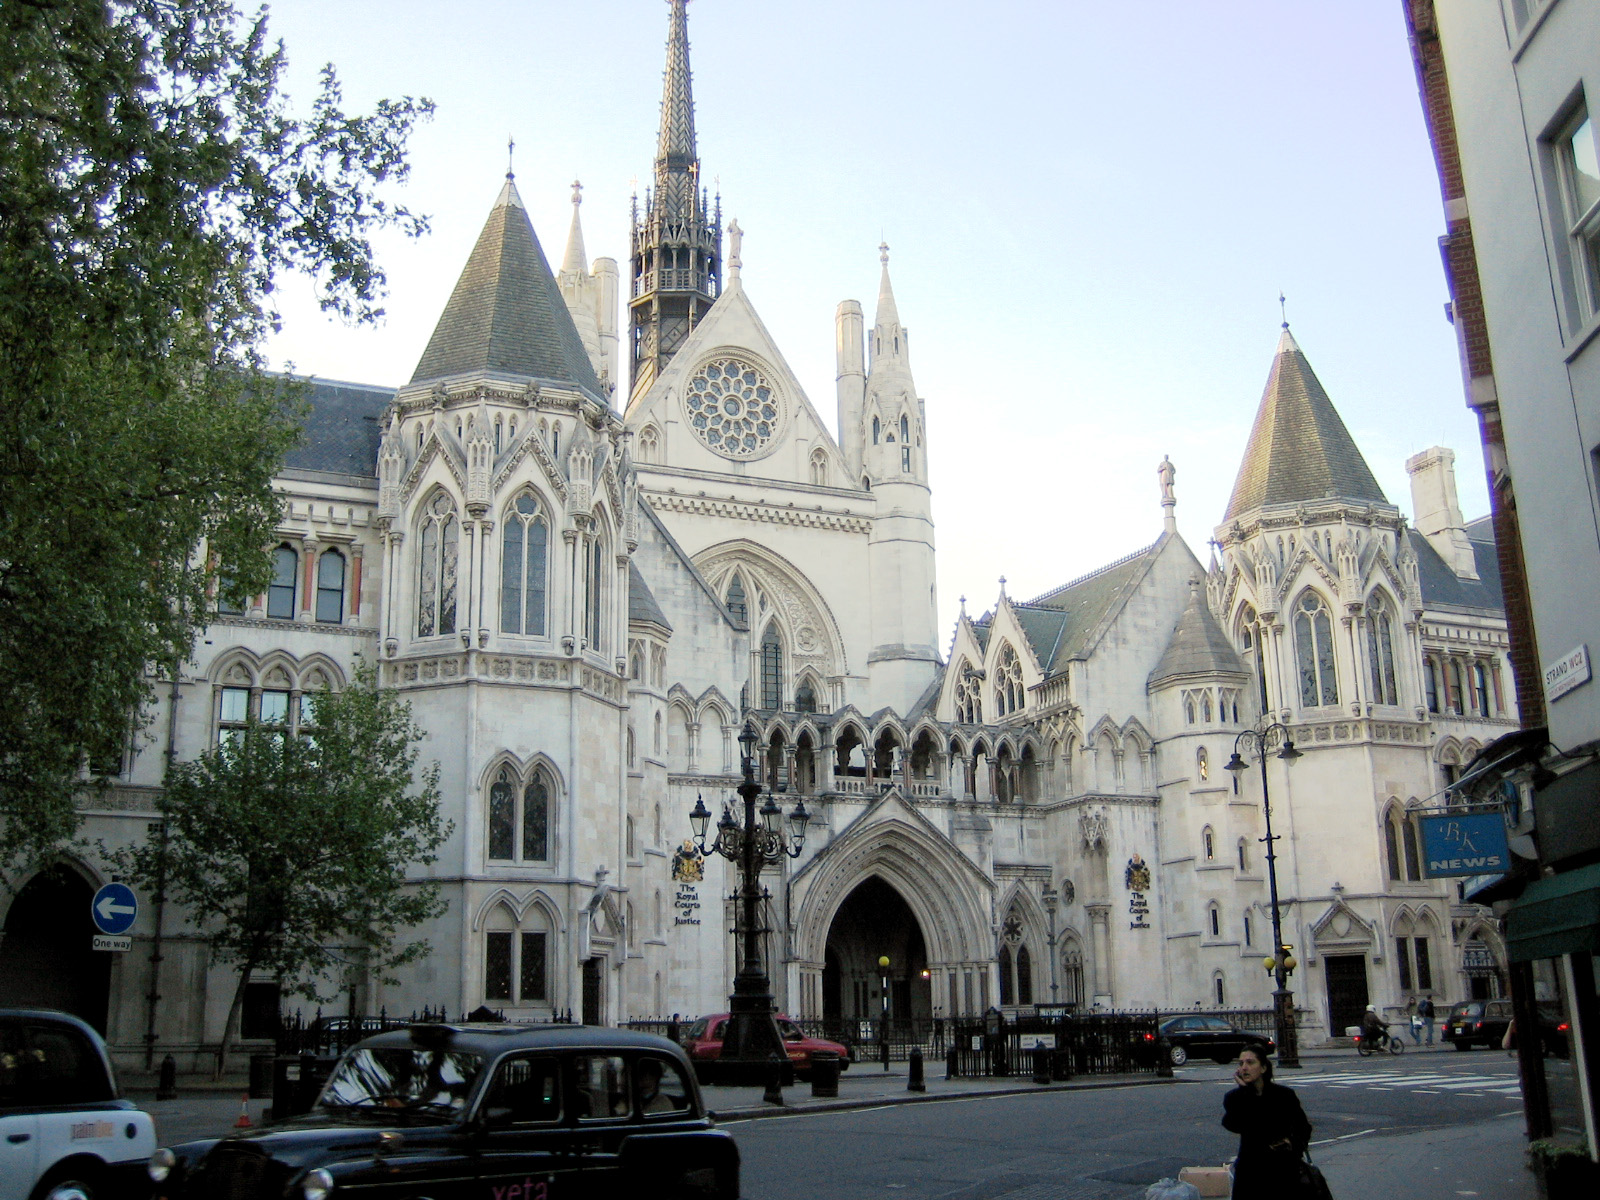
{"x": 1272, "y": 1128}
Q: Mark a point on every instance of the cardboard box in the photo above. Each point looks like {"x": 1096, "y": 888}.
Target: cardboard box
{"x": 1208, "y": 1181}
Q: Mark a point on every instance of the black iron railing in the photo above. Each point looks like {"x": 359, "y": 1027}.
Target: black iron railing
{"x": 331, "y": 1036}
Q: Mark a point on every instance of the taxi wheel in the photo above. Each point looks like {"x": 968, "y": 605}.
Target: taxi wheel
{"x": 72, "y": 1185}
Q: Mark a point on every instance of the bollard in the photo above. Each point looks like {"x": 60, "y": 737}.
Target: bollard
{"x": 167, "y": 1084}
{"x": 952, "y": 1063}
{"x": 1041, "y": 1065}
{"x": 824, "y": 1074}
{"x": 883, "y": 1050}
{"x": 915, "y": 1083}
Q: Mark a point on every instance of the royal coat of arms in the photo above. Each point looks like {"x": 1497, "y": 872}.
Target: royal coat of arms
{"x": 688, "y": 864}
{"x": 1137, "y": 876}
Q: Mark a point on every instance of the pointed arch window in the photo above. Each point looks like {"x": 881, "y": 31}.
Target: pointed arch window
{"x": 594, "y": 589}
{"x": 805, "y": 697}
{"x": 1208, "y": 842}
{"x": 519, "y": 816}
{"x": 1214, "y": 917}
{"x": 649, "y": 445}
{"x": 819, "y": 467}
{"x": 1008, "y": 683}
{"x": 1313, "y": 639}
{"x": 330, "y": 587}
{"x": 969, "y": 696}
{"x": 771, "y": 668}
{"x": 1400, "y": 841}
{"x": 1244, "y": 856}
{"x": 1024, "y": 976}
{"x": 1380, "y": 652}
{"x": 524, "y": 552}
{"x": 1249, "y": 938}
{"x": 1202, "y": 765}
{"x": 1003, "y": 961}
{"x": 738, "y": 607}
{"x": 436, "y": 567}
{"x": 876, "y": 430}
{"x": 1072, "y": 971}
{"x": 281, "y": 592}
{"x": 1250, "y": 642}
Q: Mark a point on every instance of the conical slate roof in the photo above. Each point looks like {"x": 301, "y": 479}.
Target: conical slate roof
{"x": 506, "y": 313}
{"x": 1299, "y": 449}
{"x": 1197, "y": 646}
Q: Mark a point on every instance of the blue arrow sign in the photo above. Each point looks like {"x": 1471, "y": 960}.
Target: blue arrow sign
{"x": 114, "y": 908}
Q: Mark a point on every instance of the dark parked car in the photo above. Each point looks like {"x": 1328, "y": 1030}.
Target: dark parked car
{"x": 1209, "y": 1037}
{"x": 703, "y": 1040}
{"x": 64, "y": 1131}
{"x": 547, "y": 1113}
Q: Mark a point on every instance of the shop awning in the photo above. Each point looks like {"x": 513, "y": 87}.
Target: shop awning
{"x": 1559, "y": 915}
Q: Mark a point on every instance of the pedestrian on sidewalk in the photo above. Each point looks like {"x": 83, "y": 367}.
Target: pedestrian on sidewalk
{"x": 1272, "y": 1127}
{"x": 1425, "y": 1011}
{"x": 1414, "y": 1009}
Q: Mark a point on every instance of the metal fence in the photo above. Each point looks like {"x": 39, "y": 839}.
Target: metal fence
{"x": 331, "y": 1036}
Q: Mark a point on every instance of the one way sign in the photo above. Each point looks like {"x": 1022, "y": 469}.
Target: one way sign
{"x": 114, "y": 908}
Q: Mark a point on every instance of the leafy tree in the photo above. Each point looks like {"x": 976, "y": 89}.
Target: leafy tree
{"x": 154, "y": 188}
{"x": 291, "y": 852}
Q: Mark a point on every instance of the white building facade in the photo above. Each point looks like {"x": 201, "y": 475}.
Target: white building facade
{"x": 586, "y": 590}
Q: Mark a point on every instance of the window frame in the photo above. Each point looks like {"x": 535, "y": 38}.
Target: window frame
{"x": 523, "y": 524}
{"x": 519, "y": 787}
{"x": 278, "y": 589}
{"x": 330, "y": 597}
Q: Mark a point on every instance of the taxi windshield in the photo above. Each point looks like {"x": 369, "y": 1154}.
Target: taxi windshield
{"x": 403, "y": 1079}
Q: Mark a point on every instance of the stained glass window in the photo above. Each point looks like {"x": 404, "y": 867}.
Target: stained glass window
{"x": 737, "y": 606}
{"x": 436, "y": 575}
{"x": 1005, "y": 976}
{"x": 523, "y": 546}
{"x": 536, "y": 819}
{"x": 503, "y": 816}
{"x": 771, "y": 669}
{"x": 497, "y": 967}
{"x": 1024, "y": 976}
{"x": 732, "y": 407}
{"x": 1380, "y": 654}
{"x": 532, "y": 981}
{"x": 1313, "y": 635}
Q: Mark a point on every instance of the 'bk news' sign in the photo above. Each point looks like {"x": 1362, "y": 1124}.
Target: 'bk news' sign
{"x": 1472, "y": 844}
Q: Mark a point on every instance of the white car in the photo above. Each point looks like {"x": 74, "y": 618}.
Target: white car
{"x": 65, "y": 1134}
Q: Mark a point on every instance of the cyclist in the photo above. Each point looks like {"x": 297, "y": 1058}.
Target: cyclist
{"x": 1374, "y": 1030}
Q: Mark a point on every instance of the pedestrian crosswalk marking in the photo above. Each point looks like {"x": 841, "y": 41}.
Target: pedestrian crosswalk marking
{"x": 1432, "y": 1084}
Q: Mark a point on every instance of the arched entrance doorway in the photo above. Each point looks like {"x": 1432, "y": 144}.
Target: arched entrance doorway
{"x": 45, "y": 955}
{"x": 873, "y": 922}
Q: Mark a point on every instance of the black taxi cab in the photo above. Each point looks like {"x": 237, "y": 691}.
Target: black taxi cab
{"x": 493, "y": 1112}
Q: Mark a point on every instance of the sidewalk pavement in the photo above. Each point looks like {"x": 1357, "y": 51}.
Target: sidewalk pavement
{"x": 1482, "y": 1159}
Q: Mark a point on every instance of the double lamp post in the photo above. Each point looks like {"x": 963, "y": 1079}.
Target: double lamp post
{"x": 1281, "y": 964}
{"x": 752, "y": 1047}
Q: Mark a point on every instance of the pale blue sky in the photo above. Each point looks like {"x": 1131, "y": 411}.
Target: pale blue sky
{"x": 1091, "y": 209}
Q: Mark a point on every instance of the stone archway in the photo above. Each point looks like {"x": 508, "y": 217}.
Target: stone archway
{"x": 46, "y": 959}
{"x": 875, "y": 922}
{"x": 944, "y": 895}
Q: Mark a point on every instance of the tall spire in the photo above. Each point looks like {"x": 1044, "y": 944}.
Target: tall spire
{"x": 888, "y": 315}
{"x": 676, "y": 141}
{"x": 677, "y": 241}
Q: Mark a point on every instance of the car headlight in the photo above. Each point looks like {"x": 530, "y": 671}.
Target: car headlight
{"x": 316, "y": 1185}
{"x": 161, "y": 1164}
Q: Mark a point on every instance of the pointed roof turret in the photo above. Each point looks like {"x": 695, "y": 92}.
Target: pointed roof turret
{"x": 888, "y": 315}
{"x": 1299, "y": 449}
{"x": 506, "y": 314}
{"x": 1197, "y": 646}
{"x": 576, "y": 259}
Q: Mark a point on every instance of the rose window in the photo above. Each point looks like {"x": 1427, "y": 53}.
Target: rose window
{"x": 732, "y": 408}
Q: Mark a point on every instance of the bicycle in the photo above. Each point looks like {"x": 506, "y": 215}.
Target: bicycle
{"x": 1365, "y": 1046}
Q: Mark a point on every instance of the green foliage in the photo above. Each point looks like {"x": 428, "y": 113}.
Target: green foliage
{"x": 291, "y": 854}
{"x": 154, "y": 186}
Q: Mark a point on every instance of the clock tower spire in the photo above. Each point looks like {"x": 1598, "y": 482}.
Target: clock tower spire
{"x": 676, "y": 254}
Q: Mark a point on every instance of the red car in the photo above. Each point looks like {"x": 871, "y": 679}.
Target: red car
{"x": 703, "y": 1041}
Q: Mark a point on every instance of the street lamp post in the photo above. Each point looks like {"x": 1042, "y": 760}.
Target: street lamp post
{"x": 1281, "y": 964}
{"x": 751, "y": 1041}
{"x": 1051, "y": 898}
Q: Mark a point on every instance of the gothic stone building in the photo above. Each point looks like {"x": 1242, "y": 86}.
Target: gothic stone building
{"x": 585, "y": 589}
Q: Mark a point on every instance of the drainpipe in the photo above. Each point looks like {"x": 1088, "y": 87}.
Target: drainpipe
{"x": 154, "y": 997}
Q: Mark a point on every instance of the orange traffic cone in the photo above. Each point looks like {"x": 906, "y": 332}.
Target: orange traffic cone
{"x": 244, "y": 1121}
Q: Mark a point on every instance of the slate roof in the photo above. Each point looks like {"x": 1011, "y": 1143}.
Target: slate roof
{"x": 506, "y": 314}
{"x": 1299, "y": 449}
{"x": 1064, "y": 623}
{"x": 642, "y": 604}
{"x": 1197, "y": 646}
{"x": 1442, "y": 587}
{"x": 342, "y": 428}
